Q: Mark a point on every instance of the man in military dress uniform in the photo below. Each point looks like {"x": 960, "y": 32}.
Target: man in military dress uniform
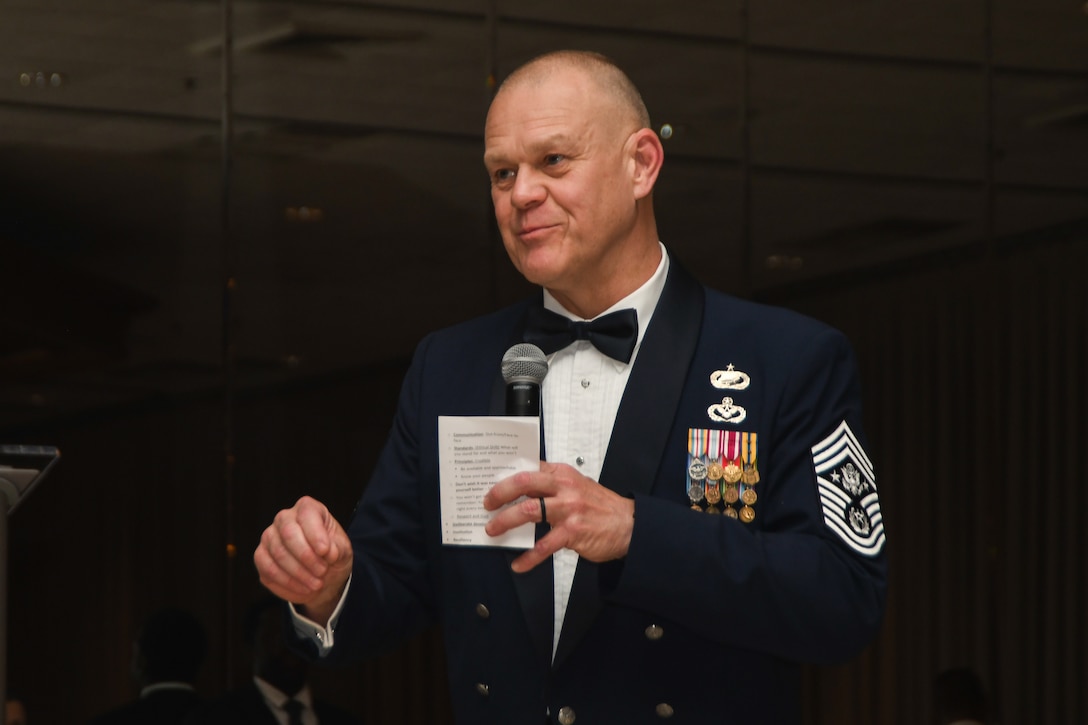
{"x": 706, "y": 518}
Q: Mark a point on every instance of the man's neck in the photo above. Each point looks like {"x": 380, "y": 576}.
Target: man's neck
{"x": 590, "y": 299}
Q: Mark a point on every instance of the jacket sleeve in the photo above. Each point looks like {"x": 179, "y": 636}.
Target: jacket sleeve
{"x": 391, "y": 594}
{"x": 798, "y": 583}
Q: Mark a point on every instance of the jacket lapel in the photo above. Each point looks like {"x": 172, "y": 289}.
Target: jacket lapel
{"x": 534, "y": 588}
{"x": 642, "y": 426}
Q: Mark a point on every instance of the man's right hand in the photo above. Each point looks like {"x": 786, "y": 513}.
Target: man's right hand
{"x": 305, "y": 557}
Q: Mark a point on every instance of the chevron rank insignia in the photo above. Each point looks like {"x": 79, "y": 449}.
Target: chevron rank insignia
{"x": 847, "y": 486}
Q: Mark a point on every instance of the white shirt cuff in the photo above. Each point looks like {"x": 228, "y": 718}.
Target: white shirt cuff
{"x": 307, "y": 628}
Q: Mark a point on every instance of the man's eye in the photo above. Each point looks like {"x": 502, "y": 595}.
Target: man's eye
{"x": 504, "y": 174}
{"x": 553, "y": 159}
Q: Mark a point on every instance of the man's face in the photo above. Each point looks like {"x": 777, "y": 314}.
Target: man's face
{"x": 558, "y": 154}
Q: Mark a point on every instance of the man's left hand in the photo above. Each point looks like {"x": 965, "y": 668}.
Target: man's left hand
{"x": 586, "y": 517}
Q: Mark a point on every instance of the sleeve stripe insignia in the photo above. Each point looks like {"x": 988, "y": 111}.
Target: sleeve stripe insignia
{"x": 834, "y": 444}
{"x": 847, "y": 487}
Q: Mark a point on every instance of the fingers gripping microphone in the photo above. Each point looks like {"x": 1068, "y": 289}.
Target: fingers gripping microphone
{"x": 523, "y": 368}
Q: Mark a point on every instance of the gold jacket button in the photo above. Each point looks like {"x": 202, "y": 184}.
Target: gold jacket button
{"x": 483, "y": 689}
{"x": 566, "y": 716}
{"x": 654, "y": 632}
{"x": 664, "y": 710}
{"x": 482, "y": 612}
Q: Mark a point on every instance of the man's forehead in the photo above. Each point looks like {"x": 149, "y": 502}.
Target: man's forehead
{"x": 502, "y": 149}
{"x": 555, "y": 129}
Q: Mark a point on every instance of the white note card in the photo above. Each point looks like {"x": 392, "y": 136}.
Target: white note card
{"x": 475, "y": 453}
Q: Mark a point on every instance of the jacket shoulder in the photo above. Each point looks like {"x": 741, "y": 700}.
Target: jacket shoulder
{"x": 769, "y": 323}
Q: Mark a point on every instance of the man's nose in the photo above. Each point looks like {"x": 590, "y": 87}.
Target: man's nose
{"x": 528, "y": 189}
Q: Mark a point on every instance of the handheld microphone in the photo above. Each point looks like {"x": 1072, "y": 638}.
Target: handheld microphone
{"x": 523, "y": 368}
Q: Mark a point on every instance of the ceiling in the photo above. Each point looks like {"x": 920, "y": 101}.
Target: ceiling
{"x": 345, "y": 200}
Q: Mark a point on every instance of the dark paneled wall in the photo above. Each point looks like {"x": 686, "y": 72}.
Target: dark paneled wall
{"x": 135, "y": 517}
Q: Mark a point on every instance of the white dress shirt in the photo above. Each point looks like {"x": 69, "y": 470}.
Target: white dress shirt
{"x": 579, "y": 399}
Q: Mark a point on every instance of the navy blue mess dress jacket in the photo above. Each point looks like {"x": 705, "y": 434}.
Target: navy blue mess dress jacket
{"x": 708, "y": 616}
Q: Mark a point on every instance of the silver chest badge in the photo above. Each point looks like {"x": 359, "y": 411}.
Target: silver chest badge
{"x": 727, "y": 412}
{"x": 730, "y": 379}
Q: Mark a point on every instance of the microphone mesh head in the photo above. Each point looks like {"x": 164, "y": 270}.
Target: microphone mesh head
{"x": 525, "y": 362}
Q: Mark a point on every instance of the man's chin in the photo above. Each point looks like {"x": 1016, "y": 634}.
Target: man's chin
{"x": 541, "y": 277}
{"x": 536, "y": 267}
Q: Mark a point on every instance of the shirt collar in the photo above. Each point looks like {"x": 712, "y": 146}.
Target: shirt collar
{"x": 277, "y": 699}
{"x": 644, "y": 300}
{"x": 160, "y": 686}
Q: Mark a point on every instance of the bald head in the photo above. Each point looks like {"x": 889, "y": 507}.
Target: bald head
{"x": 573, "y": 163}
{"x": 604, "y": 74}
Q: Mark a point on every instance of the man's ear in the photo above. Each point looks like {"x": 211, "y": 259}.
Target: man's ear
{"x": 647, "y": 155}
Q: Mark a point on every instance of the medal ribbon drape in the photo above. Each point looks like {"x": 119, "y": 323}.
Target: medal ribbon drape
{"x": 713, "y": 470}
{"x": 732, "y": 454}
{"x": 749, "y": 477}
{"x": 696, "y": 467}
{"x": 748, "y": 453}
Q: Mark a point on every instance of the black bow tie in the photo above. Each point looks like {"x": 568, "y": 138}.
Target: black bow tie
{"x": 613, "y": 334}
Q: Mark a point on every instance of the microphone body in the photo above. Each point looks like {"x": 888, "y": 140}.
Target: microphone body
{"x": 523, "y": 368}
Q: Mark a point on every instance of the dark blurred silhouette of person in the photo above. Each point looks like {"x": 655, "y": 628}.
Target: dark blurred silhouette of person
{"x": 959, "y": 698}
{"x": 166, "y": 660}
{"x": 279, "y": 693}
{"x": 15, "y": 709}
